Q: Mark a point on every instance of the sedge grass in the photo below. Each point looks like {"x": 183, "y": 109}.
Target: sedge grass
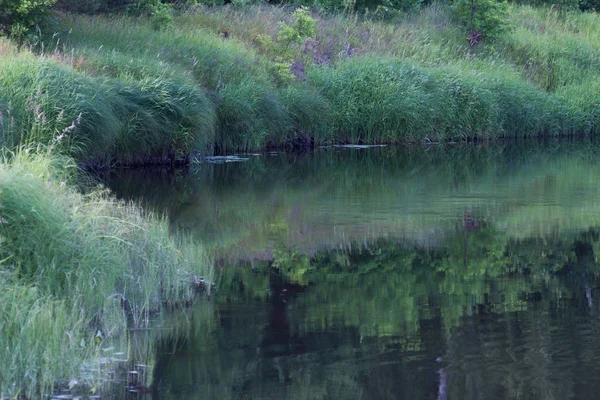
{"x": 75, "y": 269}
{"x": 133, "y": 94}
{"x": 98, "y": 119}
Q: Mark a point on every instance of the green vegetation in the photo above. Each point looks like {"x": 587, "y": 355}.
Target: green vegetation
{"x": 101, "y": 120}
{"x": 482, "y": 18}
{"x": 76, "y": 270}
{"x": 138, "y": 83}
{"x": 120, "y": 89}
{"x": 17, "y": 17}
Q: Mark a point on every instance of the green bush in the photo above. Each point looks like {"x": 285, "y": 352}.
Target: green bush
{"x": 589, "y": 5}
{"x": 482, "y": 18}
{"x": 303, "y": 27}
{"x": 18, "y": 17}
{"x": 159, "y": 12}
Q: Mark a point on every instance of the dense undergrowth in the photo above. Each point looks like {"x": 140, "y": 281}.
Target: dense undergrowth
{"x": 115, "y": 88}
{"x": 77, "y": 270}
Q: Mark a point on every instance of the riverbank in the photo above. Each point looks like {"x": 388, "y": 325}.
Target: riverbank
{"x": 342, "y": 270}
{"x": 80, "y": 267}
{"x": 79, "y": 271}
{"x": 114, "y": 89}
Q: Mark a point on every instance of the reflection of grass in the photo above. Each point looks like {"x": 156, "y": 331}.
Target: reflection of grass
{"x": 77, "y": 270}
{"x": 387, "y": 291}
{"x": 332, "y": 198}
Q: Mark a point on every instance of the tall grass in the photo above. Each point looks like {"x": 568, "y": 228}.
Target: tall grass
{"x": 75, "y": 269}
{"x": 384, "y": 100}
{"x": 250, "y": 111}
{"x": 132, "y": 94}
{"x": 101, "y": 120}
{"x": 530, "y": 81}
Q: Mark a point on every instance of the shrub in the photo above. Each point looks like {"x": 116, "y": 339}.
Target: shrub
{"x": 589, "y": 5}
{"x": 17, "y": 17}
{"x": 482, "y": 18}
{"x": 159, "y": 12}
{"x": 302, "y": 28}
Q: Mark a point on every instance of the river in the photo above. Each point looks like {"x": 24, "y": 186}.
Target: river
{"x": 455, "y": 271}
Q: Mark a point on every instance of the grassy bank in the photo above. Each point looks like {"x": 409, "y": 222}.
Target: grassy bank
{"x": 77, "y": 270}
{"x": 99, "y": 119}
{"x": 117, "y": 89}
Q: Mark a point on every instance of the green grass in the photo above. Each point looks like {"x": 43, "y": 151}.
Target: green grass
{"x": 100, "y": 119}
{"x": 539, "y": 78}
{"x": 376, "y": 100}
{"x": 106, "y": 90}
{"x": 75, "y": 265}
{"x": 208, "y": 84}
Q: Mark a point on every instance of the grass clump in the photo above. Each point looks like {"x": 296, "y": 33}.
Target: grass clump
{"x": 248, "y": 107}
{"x": 375, "y": 101}
{"x": 41, "y": 340}
{"x": 101, "y": 120}
{"x": 77, "y": 269}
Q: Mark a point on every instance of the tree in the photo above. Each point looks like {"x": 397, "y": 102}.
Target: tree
{"x": 482, "y": 18}
{"x": 17, "y": 17}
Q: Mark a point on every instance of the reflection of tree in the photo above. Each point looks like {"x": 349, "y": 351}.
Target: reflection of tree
{"x": 322, "y": 200}
{"x": 513, "y": 321}
{"x": 362, "y": 268}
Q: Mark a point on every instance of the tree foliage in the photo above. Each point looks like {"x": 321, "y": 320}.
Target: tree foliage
{"x": 17, "y": 17}
{"x": 482, "y": 18}
{"x": 303, "y": 27}
{"x": 589, "y": 5}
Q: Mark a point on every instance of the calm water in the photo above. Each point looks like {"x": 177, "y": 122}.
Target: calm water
{"x": 446, "y": 272}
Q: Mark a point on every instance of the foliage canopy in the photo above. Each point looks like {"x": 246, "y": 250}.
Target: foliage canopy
{"x": 17, "y": 17}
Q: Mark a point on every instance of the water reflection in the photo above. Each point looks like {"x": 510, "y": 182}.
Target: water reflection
{"x": 421, "y": 273}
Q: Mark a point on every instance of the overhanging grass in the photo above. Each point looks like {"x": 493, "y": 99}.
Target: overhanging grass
{"x": 100, "y": 119}
{"x": 378, "y": 100}
{"x": 74, "y": 268}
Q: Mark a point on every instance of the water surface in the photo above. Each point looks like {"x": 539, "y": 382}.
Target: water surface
{"x": 440, "y": 272}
